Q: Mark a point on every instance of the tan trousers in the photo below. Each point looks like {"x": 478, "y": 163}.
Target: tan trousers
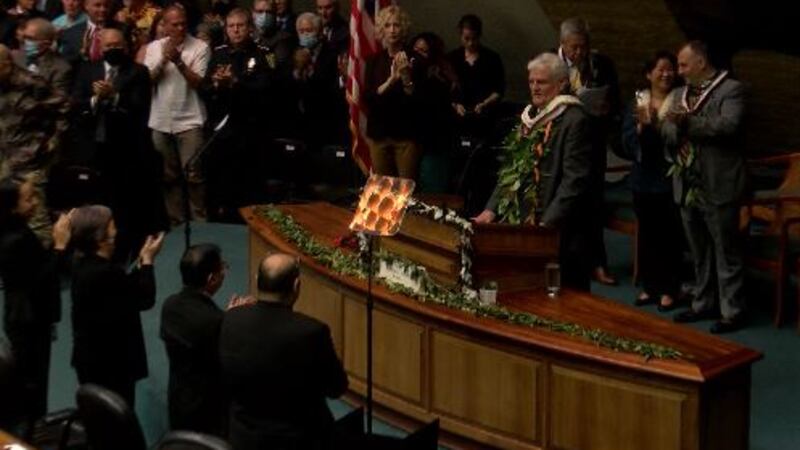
{"x": 177, "y": 150}
{"x": 40, "y": 223}
{"x": 395, "y": 158}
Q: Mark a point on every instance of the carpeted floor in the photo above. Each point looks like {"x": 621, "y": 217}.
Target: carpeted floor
{"x": 775, "y": 418}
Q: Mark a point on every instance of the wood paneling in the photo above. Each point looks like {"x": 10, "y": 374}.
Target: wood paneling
{"x": 514, "y": 387}
{"x": 704, "y": 356}
{"x": 594, "y": 412}
{"x": 495, "y": 389}
{"x": 727, "y": 425}
{"x": 397, "y": 350}
{"x": 321, "y": 301}
{"x": 433, "y": 259}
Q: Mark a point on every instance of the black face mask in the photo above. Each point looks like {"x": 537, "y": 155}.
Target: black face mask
{"x": 114, "y": 56}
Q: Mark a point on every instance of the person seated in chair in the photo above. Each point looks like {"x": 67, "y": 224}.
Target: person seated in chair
{"x": 279, "y": 366}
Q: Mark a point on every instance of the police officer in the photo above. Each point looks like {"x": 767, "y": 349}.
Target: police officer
{"x": 237, "y": 87}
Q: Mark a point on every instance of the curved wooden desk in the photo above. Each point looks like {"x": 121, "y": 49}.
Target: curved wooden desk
{"x": 515, "y": 387}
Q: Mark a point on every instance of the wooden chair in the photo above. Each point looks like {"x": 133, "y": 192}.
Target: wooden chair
{"x": 786, "y": 168}
{"x": 776, "y": 208}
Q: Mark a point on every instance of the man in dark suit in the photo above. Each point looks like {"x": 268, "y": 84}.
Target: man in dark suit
{"x": 45, "y": 61}
{"x": 285, "y": 16}
{"x": 593, "y": 78}
{"x": 82, "y": 41}
{"x": 190, "y": 324}
{"x": 279, "y": 366}
{"x": 706, "y": 127}
{"x": 50, "y": 8}
{"x": 335, "y": 29}
{"x": 566, "y": 169}
{"x": 112, "y": 101}
{"x": 314, "y": 86}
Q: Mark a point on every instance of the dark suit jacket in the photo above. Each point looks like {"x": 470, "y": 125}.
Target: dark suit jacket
{"x": 53, "y": 9}
{"x": 71, "y": 40}
{"x": 566, "y": 171}
{"x": 190, "y": 325}
{"x": 30, "y": 280}
{"x": 124, "y": 119}
{"x": 106, "y": 327}
{"x": 716, "y": 131}
{"x": 112, "y": 137}
{"x": 321, "y": 102}
{"x": 339, "y": 34}
{"x": 279, "y": 366}
{"x": 56, "y": 70}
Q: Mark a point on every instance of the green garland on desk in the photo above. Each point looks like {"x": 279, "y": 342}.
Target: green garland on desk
{"x": 344, "y": 263}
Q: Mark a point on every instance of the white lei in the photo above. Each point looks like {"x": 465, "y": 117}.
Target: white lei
{"x": 555, "y": 108}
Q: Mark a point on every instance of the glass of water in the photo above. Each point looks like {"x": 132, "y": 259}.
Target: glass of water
{"x": 552, "y": 279}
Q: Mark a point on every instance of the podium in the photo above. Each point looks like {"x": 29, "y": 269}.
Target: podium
{"x": 514, "y": 256}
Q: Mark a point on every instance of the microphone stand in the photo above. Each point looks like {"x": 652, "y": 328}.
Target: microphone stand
{"x": 187, "y": 206}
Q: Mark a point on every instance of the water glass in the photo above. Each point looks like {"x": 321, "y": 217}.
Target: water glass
{"x": 552, "y": 279}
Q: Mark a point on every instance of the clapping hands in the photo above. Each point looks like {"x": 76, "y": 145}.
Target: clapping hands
{"x": 102, "y": 89}
{"x": 401, "y": 67}
{"x": 62, "y": 230}
{"x": 223, "y": 75}
{"x": 150, "y": 248}
{"x": 170, "y": 51}
{"x": 237, "y": 300}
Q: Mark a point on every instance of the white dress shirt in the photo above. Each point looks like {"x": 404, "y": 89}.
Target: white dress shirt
{"x": 176, "y": 107}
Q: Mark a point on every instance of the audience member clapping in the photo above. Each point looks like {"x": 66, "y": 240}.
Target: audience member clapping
{"x": 30, "y": 276}
{"x": 190, "y": 325}
{"x": 279, "y": 366}
{"x": 42, "y": 59}
{"x": 389, "y": 92}
{"x": 108, "y": 344}
{"x": 659, "y": 244}
{"x": 177, "y": 65}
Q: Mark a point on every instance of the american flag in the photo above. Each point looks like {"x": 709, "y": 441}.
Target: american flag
{"x": 363, "y": 44}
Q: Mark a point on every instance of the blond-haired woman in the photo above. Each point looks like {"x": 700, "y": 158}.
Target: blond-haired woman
{"x": 391, "y": 99}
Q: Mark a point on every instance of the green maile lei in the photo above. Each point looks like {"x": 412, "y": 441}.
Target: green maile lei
{"x": 524, "y": 149}
{"x": 351, "y": 264}
{"x": 684, "y": 167}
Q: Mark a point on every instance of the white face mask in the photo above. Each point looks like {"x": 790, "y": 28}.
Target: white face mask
{"x": 308, "y": 40}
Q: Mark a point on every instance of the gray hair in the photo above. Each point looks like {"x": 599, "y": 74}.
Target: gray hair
{"x": 44, "y": 29}
{"x": 556, "y": 66}
{"x": 315, "y": 20}
{"x": 89, "y": 227}
{"x": 574, "y": 25}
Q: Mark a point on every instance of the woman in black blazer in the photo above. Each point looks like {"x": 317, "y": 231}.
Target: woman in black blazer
{"x": 660, "y": 231}
{"x": 108, "y": 345}
{"x": 32, "y": 293}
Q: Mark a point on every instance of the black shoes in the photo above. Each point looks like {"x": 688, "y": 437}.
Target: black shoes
{"x": 727, "y": 325}
{"x": 721, "y": 326}
{"x": 695, "y": 316}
